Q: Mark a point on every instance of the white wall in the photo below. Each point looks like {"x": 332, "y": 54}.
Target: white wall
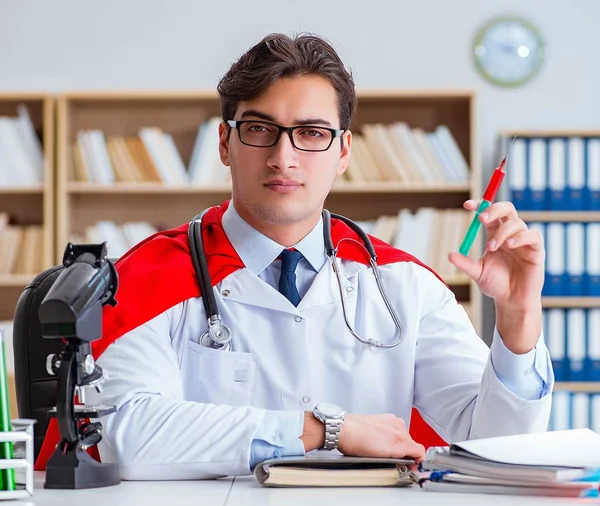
{"x": 115, "y": 44}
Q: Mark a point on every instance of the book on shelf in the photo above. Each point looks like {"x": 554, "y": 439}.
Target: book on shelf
{"x": 20, "y": 248}
{"x": 121, "y": 238}
{"x": 396, "y": 152}
{"x": 21, "y": 155}
{"x": 149, "y": 156}
{"x": 428, "y": 234}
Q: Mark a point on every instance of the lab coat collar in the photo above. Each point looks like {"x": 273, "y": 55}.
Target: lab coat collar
{"x": 257, "y": 251}
{"x": 244, "y": 287}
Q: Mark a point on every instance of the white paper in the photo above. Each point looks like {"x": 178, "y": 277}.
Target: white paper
{"x": 561, "y": 448}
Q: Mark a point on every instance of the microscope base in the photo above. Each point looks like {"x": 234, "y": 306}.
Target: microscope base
{"x": 77, "y": 470}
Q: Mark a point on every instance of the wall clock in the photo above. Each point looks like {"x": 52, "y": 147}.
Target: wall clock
{"x": 508, "y": 51}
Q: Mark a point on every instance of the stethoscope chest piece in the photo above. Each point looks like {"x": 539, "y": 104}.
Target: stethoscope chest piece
{"x": 218, "y": 335}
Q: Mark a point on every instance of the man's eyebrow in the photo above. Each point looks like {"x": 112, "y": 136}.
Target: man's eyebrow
{"x": 258, "y": 114}
{"x": 267, "y": 117}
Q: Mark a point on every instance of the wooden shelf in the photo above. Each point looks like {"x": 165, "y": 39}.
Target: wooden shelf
{"x": 16, "y": 280}
{"x": 179, "y": 113}
{"x": 24, "y": 190}
{"x": 154, "y": 188}
{"x": 33, "y": 205}
{"x": 143, "y": 188}
{"x": 457, "y": 280}
{"x": 553, "y": 133}
{"x": 579, "y": 386}
{"x": 560, "y": 216}
{"x": 570, "y": 302}
{"x": 392, "y": 187}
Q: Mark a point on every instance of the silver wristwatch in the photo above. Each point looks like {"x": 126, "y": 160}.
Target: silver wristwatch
{"x": 332, "y": 417}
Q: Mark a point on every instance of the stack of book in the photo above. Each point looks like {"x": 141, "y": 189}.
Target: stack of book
{"x": 21, "y": 156}
{"x": 20, "y": 248}
{"x": 558, "y": 463}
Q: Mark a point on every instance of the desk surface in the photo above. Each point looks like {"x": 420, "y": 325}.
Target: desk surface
{"x": 246, "y": 491}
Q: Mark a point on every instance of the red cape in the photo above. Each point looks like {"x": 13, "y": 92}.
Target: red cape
{"x": 158, "y": 274}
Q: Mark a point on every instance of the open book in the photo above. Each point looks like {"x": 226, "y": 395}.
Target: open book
{"x": 332, "y": 469}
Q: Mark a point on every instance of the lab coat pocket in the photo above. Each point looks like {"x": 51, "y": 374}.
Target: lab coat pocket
{"x": 219, "y": 377}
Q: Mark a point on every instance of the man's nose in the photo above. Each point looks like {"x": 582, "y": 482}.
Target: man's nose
{"x": 284, "y": 155}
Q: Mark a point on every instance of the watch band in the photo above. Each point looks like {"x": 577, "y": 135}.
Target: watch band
{"x": 333, "y": 427}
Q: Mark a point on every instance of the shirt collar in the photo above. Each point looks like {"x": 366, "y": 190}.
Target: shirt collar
{"x": 257, "y": 251}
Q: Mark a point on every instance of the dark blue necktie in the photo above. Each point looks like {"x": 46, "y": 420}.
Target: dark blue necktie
{"x": 287, "y": 280}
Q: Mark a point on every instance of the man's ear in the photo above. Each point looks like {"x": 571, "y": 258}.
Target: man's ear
{"x": 345, "y": 152}
{"x": 224, "y": 132}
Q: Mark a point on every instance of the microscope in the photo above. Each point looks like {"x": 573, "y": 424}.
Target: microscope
{"x": 72, "y": 311}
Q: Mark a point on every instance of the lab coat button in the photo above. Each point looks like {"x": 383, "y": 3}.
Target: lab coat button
{"x": 306, "y": 399}
{"x": 225, "y": 293}
{"x": 278, "y": 453}
{"x": 298, "y": 318}
{"x": 349, "y": 289}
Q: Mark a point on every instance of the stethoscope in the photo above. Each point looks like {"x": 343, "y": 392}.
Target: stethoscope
{"x": 218, "y": 336}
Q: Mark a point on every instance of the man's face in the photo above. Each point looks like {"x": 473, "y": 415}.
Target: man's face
{"x": 281, "y": 184}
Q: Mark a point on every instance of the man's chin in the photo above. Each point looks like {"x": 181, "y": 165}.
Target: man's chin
{"x": 280, "y": 214}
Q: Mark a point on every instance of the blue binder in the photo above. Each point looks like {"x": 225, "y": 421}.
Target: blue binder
{"x": 557, "y": 174}
{"x": 592, "y": 173}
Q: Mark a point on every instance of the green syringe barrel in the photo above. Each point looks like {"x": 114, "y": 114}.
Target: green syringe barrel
{"x": 473, "y": 229}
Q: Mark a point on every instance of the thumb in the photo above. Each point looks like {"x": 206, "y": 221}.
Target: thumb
{"x": 468, "y": 265}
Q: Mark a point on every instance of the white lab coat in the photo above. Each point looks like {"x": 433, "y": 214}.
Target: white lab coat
{"x": 186, "y": 411}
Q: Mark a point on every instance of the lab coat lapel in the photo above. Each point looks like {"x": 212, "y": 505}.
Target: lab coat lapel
{"x": 325, "y": 288}
{"x": 244, "y": 287}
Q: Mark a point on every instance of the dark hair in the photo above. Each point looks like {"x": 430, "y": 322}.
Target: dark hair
{"x": 280, "y": 56}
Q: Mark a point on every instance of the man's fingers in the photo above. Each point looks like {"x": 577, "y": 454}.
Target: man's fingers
{"x": 498, "y": 211}
{"x": 409, "y": 449}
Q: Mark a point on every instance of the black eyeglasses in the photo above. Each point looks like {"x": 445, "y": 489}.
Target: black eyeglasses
{"x": 263, "y": 134}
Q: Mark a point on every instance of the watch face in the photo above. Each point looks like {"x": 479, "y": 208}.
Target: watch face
{"x": 329, "y": 410}
{"x": 508, "y": 51}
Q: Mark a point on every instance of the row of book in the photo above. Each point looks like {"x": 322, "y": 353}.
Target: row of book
{"x": 20, "y": 248}
{"x": 120, "y": 237}
{"x": 554, "y": 173}
{"x": 150, "y": 156}
{"x": 575, "y": 410}
{"x": 396, "y": 152}
{"x": 429, "y": 234}
{"x": 573, "y": 339}
{"x": 21, "y": 156}
{"x": 393, "y": 152}
{"x": 572, "y": 258}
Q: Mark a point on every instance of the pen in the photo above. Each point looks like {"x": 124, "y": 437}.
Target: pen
{"x": 486, "y": 201}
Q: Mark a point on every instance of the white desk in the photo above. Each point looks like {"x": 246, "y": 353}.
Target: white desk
{"x": 246, "y": 491}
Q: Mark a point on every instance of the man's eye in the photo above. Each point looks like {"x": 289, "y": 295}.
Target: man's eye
{"x": 313, "y": 133}
{"x": 256, "y": 128}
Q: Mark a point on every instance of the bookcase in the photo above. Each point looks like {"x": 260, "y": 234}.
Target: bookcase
{"x": 179, "y": 113}
{"x": 33, "y": 204}
{"x": 554, "y": 180}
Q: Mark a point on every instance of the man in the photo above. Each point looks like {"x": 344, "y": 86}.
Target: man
{"x": 188, "y": 411}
